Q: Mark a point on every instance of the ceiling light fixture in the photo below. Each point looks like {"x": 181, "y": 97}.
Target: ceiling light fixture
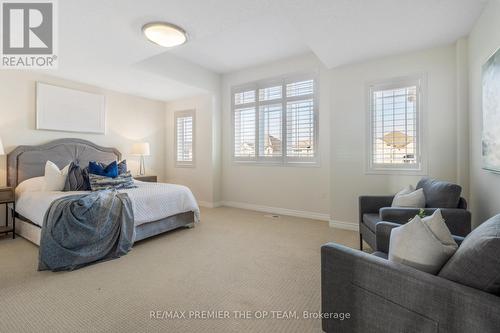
{"x": 164, "y": 34}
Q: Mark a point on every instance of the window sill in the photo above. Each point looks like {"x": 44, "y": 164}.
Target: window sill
{"x": 396, "y": 171}
{"x": 314, "y": 164}
{"x": 184, "y": 165}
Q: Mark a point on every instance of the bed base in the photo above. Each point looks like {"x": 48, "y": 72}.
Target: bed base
{"x": 32, "y": 232}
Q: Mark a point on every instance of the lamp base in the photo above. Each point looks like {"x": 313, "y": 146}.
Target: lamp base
{"x": 142, "y": 167}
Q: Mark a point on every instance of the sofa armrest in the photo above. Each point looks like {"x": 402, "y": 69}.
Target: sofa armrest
{"x": 383, "y": 235}
{"x": 383, "y": 296}
{"x": 371, "y": 204}
{"x": 457, "y": 220}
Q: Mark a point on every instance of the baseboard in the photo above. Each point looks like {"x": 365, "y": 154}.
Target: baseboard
{"x": 284, "y": 211}
{"x": 208, "y": 204}
{"x": 344, "y": 225}
{"x": 278, "y": 210}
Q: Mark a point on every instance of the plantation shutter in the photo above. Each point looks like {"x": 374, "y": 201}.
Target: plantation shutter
{"x": 300, "y": 118}
{"x": 394, "y": 125}
{"x": 184, "y": 122}
{"x": 245, "y": 124}
{"x": 275, "y": 122}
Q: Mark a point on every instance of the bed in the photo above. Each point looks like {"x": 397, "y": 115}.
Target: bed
{"x": 157, "y": 207}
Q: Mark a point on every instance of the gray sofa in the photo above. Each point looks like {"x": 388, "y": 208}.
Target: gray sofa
{"x": 384, "y": 296}
{"x": 438, "y": 194}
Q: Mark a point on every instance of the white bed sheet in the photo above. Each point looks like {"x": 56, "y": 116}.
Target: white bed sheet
{"x": 150, "y": 202}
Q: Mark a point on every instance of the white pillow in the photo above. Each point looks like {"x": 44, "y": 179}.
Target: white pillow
{"x": 31, "y": 185}
{"x": 425, "y": 244}
{"x": 55, "y": 178}
{"x": 409, "y": 197}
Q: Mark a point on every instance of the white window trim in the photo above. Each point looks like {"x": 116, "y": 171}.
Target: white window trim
{"x": 420, "y": 80}
{"x": 313, "y": 161}
{"x": 181, "y": 114}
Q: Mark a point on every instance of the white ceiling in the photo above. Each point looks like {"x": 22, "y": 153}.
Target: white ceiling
{"x": 100, "y": 42}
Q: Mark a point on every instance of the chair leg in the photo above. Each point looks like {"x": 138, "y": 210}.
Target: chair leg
{"x": 360, "y": 241}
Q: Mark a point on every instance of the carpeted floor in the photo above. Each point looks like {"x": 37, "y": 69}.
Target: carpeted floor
{"x": 234, "y": 260}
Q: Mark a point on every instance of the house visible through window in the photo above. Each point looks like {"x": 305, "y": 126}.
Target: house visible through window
{"x": 395, "y": 128}
{"x": 276, "y": 121}
{"x": 184, "y": 138}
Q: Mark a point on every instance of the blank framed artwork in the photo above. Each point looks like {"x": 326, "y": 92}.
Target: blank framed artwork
{"x": 69, "y": 110}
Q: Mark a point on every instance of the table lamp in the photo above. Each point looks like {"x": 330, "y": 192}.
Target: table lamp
{"x": 142, "y": 149}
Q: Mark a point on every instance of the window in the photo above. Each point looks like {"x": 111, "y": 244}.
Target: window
{"x": 184, "y": 138}
{"x": 395, "y": 126}
{"x": 276, "y": 121}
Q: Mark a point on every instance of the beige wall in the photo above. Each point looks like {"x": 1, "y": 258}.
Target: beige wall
{"x": 332, "y": 189}
{"x": 484, "y": 40}
{"x": 300, "y": 190}
{"x": 349, "y": 130}
{"x": 203, "y": 178}
{"x": 129, "y": 119}
{"x": 328, "y": 191}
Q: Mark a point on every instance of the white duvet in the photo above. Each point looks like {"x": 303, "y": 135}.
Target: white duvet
{"x": 150, "y": 201}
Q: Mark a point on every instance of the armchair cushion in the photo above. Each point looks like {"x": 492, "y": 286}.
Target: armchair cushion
{"x": 440, "y": 194}
{"x": 477, "y": 263}
{"x": 380, "y": 254}
{"x": 371, "y": 220}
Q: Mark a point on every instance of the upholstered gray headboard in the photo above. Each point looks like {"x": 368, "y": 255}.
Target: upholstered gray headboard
{"x": 26, "y": 162}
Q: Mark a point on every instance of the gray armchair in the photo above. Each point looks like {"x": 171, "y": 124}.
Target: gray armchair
{"x": 438, "y": 194}
{"x": 384, "y": 296}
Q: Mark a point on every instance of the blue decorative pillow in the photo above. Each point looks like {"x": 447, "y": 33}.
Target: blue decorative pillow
{"x": 111, "y": 170}
{"x": 122, "y": 166}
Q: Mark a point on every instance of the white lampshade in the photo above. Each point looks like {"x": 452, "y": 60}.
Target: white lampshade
{"x": 141, "y": 148}
{"x": 2, "y": 152}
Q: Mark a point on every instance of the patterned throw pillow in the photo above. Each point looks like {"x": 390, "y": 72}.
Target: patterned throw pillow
{"x": 76, "y": 180}
{"x": 122, "y": 181}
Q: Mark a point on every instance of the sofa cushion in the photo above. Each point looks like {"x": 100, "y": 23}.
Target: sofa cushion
{"x": 477, "y": 262}
{"x": 440, "y": 194}
{"x": 425, "y": 244}
{"x": 371, "y": 220}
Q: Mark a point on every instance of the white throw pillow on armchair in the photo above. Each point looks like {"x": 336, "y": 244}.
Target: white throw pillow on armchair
{"x": 409, "y": 197}
{"x": 54, "y": 178}
{"x": 423, "y": 243}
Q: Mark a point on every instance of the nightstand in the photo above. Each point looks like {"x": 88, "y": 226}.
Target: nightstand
{"x": 7, "y": 197}
{"x": 149, "y": 179}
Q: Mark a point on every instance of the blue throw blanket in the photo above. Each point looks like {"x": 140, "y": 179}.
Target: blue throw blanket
{"x": 86, "y": 228}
